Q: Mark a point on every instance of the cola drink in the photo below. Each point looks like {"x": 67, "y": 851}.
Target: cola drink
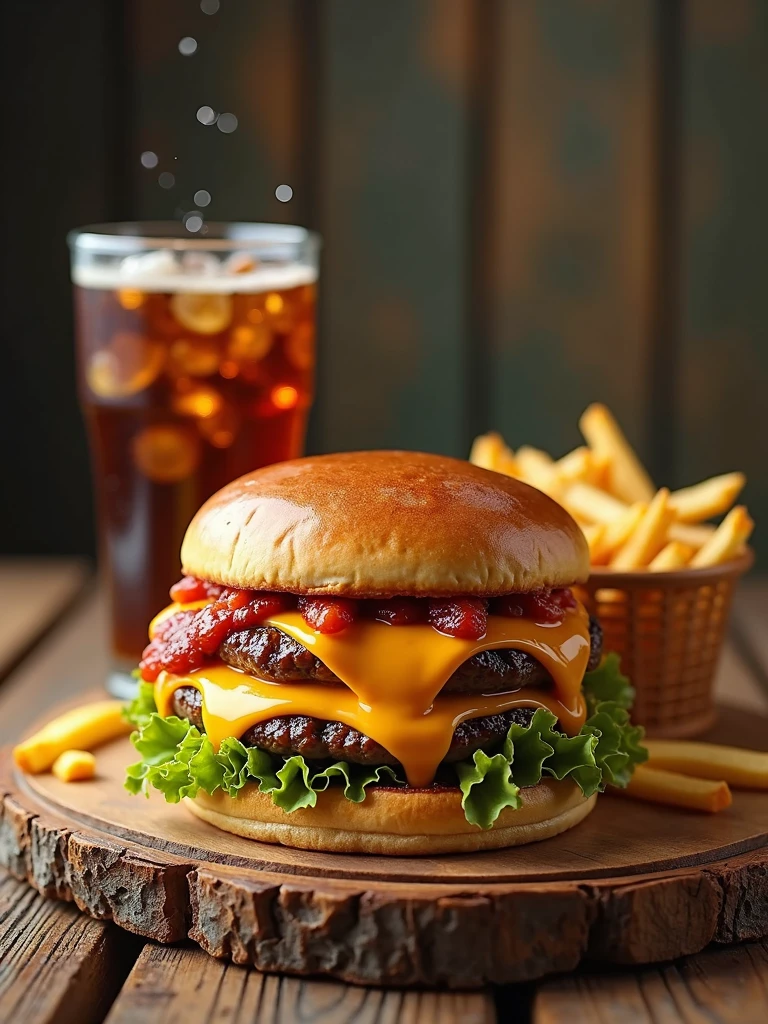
{"x": 195, "y": 365}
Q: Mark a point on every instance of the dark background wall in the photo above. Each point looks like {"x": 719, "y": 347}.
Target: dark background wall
{"x": 527, "y": 205}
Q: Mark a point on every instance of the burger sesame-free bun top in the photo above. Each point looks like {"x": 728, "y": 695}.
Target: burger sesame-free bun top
{"x": 380, "y": 524}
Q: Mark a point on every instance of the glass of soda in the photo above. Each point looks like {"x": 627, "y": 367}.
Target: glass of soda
{"x": 195, "y": 365}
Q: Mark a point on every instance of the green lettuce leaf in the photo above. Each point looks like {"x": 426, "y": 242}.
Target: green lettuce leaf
{"x": 606, "y": 682}
{"x": 178, "y": 760}
{"x": 487, "y": 788}
{"x": 142, "y": 706}
{"x": 604, "y": 752}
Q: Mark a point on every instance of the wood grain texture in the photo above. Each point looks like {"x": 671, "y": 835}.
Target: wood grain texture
{"x": 751, "y": 617}
{"x": 394, "y": 125}
{"x": 184, "y": 985}
{"x": 735, "y": 682}
{"x": 453, "y": 921}
{"x": 70, "y": 660}
{"x": 34, "y": 592}
{"x": 724, "y": 349}
{"x": 58, "y": 966}
{"x": 719, "y": 986}
{"x": 571, "y": 204}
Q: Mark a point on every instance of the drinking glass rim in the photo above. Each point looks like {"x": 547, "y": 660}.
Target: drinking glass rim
{"x": 123, "y": 237}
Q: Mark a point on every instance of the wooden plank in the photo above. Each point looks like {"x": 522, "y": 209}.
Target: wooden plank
{"x": 181, "y": 985}
{"x": 72, "y": 658}
{"x": 720, "y": 986}
{"x": 751, "y": 615}
{"x": 392, "y": 206}
{"x": 724, "y": 357}
{"x": 33, "y": 594}
{"x": 736, "y": 684}
{"x": 58, "y": 966}
{"x": 64, "y": 69}
{"x": 571, "y": 197}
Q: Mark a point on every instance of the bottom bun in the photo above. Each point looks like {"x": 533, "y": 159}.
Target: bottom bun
{"x": 395, "y": 821}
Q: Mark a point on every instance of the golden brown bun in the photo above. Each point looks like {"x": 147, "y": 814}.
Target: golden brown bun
{"x": 393, "y": 821}
{"x": 377, "y": 524}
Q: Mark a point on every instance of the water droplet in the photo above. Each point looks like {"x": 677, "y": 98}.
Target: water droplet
{"x": 227, "y": 123}
{"x": 149, "y": 159}
{"x": 166, "y": 180}
{"x": 202, "y": 197}
{"x": 187, "y": 46}
{"x": 284, "y": 193}
{"x": 206, "y": 115}
{"x": 209, "y": 6}
{"x": 193, "y": 221}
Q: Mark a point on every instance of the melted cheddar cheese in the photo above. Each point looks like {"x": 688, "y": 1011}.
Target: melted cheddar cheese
{"x": 393, "y": 677}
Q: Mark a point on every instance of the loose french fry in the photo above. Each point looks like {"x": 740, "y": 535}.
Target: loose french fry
{"x": 627, "y": 479}
{"x": 74, "y": 766}
{"x": 490, "y": 452}
{"x": 649, "y": 537}
{"x": 745, "y": 769}
{"x": 727, "y": 540}
{"x": 594, "y": 532}
{"x": 87, "y": 726}
{"x": 695, "y": 535}
{"x": 709, "y": 498}
{"x": 592, "y": 504}
{"x": 537, "y": 468}
{"x": 673, "y": 555}
{"x": 662, "y": 787}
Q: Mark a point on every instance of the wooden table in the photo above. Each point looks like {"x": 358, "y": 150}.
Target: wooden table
{"x": 57, "y": 965}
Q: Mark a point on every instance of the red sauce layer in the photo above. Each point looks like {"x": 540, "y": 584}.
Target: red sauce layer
{"x": 186, "y": 639}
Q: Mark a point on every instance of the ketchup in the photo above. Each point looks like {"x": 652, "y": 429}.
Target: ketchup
{"x": 186, "y": 638}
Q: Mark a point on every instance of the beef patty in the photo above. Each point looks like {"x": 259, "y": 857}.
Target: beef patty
{"x": 268, "y": 652}
{"x": 317, "y": 740}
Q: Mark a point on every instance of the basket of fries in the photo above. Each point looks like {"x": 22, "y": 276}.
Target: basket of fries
{"x": 662, "y": 576}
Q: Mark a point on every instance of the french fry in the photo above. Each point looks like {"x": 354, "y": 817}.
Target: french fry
{"x": 649, "y": 537}
{"x": 599, "y": 470}
{"x": 594, "y": 532}
{"x": 727, "y": 540}
{"x": 605, "y": 484}
{"x": 745, "y": 769}
{"x": 663, "y": 787}
{"x": 627, "y": 479}
{"x": 592, "y": 504}
{"x": 709, "y": 498}
{"x": 490, "y": 452}
{"x": 537, "y": 468}
{"x": 695, "y": 535}
{"x": 673, "y": 555}
{"x": 619, "y": 531}
{"x": 74, "y": 766}
{"x": 576, "y": 465}
{"x": 84, "y": 727}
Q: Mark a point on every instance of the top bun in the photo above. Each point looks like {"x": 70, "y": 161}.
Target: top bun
{"x": 381, "y": 524}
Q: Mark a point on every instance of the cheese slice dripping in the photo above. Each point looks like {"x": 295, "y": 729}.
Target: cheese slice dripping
{"x": 393, "y": 675}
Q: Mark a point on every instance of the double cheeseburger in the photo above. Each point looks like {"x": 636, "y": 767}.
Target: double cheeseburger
{"x": 380, "y": 652}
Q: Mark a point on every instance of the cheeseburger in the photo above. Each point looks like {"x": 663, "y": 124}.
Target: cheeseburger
{"x": 381, "y": 652}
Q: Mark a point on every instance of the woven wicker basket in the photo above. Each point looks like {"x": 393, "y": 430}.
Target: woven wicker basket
{"x": 669, "y": 629}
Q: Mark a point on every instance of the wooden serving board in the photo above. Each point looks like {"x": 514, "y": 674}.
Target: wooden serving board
{"x": 634, "y": 883}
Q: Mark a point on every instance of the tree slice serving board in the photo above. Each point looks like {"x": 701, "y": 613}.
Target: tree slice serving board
{"x": 634, "y": 883}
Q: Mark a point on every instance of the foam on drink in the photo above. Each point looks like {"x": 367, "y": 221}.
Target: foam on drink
{"x": 160, "y": 271}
